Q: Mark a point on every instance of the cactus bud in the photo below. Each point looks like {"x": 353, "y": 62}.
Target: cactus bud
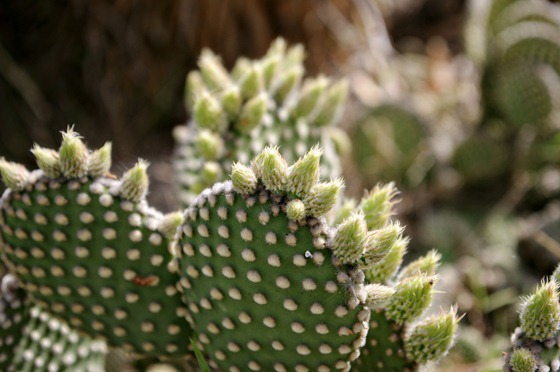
{"x": 213, "y": 72}
{"x": 272, "y": 169}
{"x": 379, "y": 244}
{"x": 100, "y": 160}
{"x": 241, "y": 68}
{"x": 295, "y": 55}
{"x": 540, "y": 314}
{"x": 134, "y": 183}
{"x": 295, "y": 210}
{"x": 210, "y": 145}
{"x": 277, "y": 48}
{"x": 169, "y": 224}
{"x": 211, "y": 172}
{"x": 304, "y": 173}
{"x": 377, "y": 205}
{"x": 322, "y": 197}
{"x": 432, "y": 338}
{"x": 73, "y": 155}
{"x": 350, "y": 238}
{"x": 427, "y": 264}
{"x": 194, "y": 86}
{"x": 412, "y": 296}
{"x": 243, "y": 179}
{"x": 47, "y": 160}
{"x": 386, "y": 268}
{"x": 378, "y": 295}
{"x": 387, "y": 237}
{"x": 208, "y": 113}
{"x": 14, "y": 175}
{"x": 309, "y": 96}
{"x": 523, "y": 360}
{"x": 269, "y": 69}
{"x": 332, "y": 104}
{"x": 251, "y": 83}
{"x": 252, "y": 113}
{"x": 231, "y": 101}
{"x": 286, "y": 83}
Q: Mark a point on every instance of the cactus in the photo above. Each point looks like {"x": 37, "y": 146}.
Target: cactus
{"x": 535, "y": 343}
{"x": 87, "y": 247}
{"x": 522, "y": 69}
{"x": 262, "y": 102}
{"x": 268, "y": 288}
{"x": 33, "y": 340}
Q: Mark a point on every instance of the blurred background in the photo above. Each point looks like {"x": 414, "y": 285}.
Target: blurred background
{"x": 456, "y": 101}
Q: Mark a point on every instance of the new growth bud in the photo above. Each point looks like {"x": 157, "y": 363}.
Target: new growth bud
{"x": 134, "y": 183}
{"x": 540, "y": 314}
{"x": 322, "y": 197}
{"x": 350, "y": 238}
{"x": 14, "y": 175}
{"x": 432, "y": 338}
{"x": 378, "y": 205}
{"x": 208, "y": 113}
{"x": 523, "y": 360}
{"x": 73, "y": 155}
{"x": 304, "y": 174}
{"x": 47, "y": 160}
{"x": 243, "y": 179}
{"x": 310, "y": 93}
{"x": 295, "y": 210}
{"x": 252, "y": 113}
{"x": 100, "y": 160}
{"x": 271, "y": 167}
{"x": 378, "y": 295}
{"x": 210, "y": 145}
{"x": 427, "y": 265}
{"x": 213, "y": 72}
{"x": 169, "y": 224}
{"x": 412, "y": 296}
{"x": 380, "y": 242}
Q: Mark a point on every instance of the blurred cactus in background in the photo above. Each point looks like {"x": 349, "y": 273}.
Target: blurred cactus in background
{"x": 263, "y": 102}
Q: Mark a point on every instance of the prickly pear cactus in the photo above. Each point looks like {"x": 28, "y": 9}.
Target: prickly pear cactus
{"x": 523, "y": 75}
{"x": 13, "y": 317}
{"x": 269, "y": 285}
{"x": 536, "y": 342}
{"x": 88, "y": 248}
{"x": 262, "y": 102}
{"x": 33, "y": 340}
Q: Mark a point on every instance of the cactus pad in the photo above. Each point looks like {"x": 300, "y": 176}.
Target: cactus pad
{"x": 89, "y": 249}
{"x": 265, "y": 291}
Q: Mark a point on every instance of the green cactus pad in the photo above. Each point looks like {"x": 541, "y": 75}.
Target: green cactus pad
{"x": 262, "y": 102}
{"x": 33, "y": 340}
{"x": 384, "y": 349}
{"x": 90, "y": 255}
{"x": 265, "y": 292}
{"x": 49, "y": 344}
{"x": 262, "y": 289}
{"x": 13, "y": 318}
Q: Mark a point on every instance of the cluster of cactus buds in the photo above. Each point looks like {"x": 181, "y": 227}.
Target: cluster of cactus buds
{"x": 262, "y": 102}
